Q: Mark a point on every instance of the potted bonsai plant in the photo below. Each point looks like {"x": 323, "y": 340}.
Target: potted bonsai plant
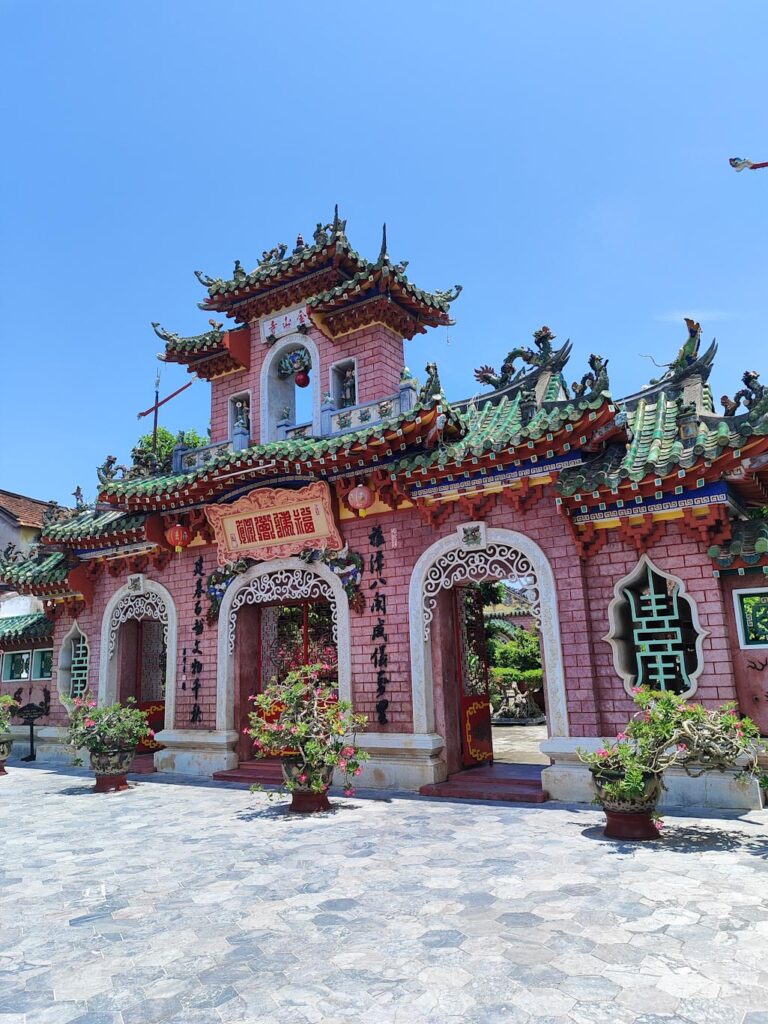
{"x": 302, "y": 721}
{"x": 7, "y": 705}
{"x": 110, "y": 735}
{"x": 666, "y": 732}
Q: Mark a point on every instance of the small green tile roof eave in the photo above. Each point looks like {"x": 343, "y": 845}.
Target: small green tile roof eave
{"x": 292, "y": 450}
{"x": 25, "y": 628}
{"x": 656, "y": 448}
{"x": 356, "y": 285}
{"x": 497, "y": 426}
{"x": 748, "y": 544}
{"x": 38, "y": 570}
{"x": 267, "y": 272}
{"x": 92, "y": 523}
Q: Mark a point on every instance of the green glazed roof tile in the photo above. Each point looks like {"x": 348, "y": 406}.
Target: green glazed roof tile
{"x": 93, "y": 524}
{"x": 25, "y": 628}
{"x": 39, "y": 569}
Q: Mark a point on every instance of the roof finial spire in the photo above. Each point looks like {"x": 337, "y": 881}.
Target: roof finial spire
{"x": 384, "y": 254}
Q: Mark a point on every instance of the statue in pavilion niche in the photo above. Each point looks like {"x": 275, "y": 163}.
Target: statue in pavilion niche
{"x": 595, "y": 381}
{"x": 751, "y": 394}
{"x": 540, "y": 358}
{"x": 348, "y": 393}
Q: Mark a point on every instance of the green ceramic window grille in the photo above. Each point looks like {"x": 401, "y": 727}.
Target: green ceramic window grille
{"x": 79, "y": 670}
{"x": 663, "y": 633}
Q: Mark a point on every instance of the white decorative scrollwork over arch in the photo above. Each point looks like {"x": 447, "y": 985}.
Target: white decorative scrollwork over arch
{"x": 149, "y": 605}
{"x": 464, "y": 565}
{"x": 282, "y": 585}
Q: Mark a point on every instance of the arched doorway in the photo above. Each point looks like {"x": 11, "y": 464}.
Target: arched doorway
{"x": 138, "y": 652}
{"x": 450, "y": 696}
{"x": 274, "y": 617}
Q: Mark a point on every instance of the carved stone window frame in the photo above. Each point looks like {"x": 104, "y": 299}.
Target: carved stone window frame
{"x": 618, "y": 643}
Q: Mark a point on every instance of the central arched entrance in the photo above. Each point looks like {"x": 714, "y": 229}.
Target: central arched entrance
{"x": 450, "y": 684}
{"x": 274, "y": 617}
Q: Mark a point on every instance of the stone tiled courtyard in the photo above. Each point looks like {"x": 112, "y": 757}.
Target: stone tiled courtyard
{"x": 195, "y": 903}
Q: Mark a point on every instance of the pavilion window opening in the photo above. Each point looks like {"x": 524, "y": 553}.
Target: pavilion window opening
{"x": 344, "y": 384}
{"x": 240, "y": 415}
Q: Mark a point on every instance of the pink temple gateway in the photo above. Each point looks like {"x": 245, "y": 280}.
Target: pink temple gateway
{"x": 347, "y": 513}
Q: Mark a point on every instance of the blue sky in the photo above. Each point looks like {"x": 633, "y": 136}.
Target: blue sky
{"x": 566, "y": 162}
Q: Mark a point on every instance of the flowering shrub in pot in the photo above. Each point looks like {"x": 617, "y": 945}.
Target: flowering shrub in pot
{"x": 666, "y": 732}
{"x": 110, "y": 734}
{"x": 7, "y": 707}
{"x": 302, "y": 721}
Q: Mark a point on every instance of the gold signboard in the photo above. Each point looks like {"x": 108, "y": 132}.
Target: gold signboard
{"x": 274, "y": 522}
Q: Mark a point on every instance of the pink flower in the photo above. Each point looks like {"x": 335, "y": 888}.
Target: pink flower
{"x": 77, "y": 702}
{"x": 621, "y": 735}
{"x": 358, "y": 770}
{"x": 636, "y": 689}
{"x": 91, "y": 703}
{"x": 349, "y": 791}
{"x": 342, "y": 764}
{"x": 245, "y": 732}
{"x": 682, "y": 746}
{"x": 151, "y": 734}
{"x": 302, "y": 778}
{"x": 89, "y": 722}
{"x": 347, "y": 751}
{"x": 603, "y": 752}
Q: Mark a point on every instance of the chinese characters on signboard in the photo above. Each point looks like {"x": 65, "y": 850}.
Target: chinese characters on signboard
{"x": 196, "y": 667}
{"x": 292, "y": 321}
{"x": 379, "y": 657}
{"x": 274, "y": 522}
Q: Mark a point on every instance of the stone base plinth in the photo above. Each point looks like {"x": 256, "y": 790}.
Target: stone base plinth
{"x": 569, "y": 780}
{"x": 196, "y": 751}
{"x": 50, "y": 745}
{"x": 404, "y": 761}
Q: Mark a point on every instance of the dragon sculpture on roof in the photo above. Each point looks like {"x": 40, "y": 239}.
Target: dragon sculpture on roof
{"x": 539, "y": 358}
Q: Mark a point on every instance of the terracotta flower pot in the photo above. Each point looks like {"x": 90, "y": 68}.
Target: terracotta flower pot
{"x": 110, "y": 768}
{"x": 629, "y": 819}
{"x": 5, "y": 752}
{"x": 303, "y": 799}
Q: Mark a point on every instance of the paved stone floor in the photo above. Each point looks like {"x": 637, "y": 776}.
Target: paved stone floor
{"x": 519, "y": 744}
{"x": 196, "y": 903}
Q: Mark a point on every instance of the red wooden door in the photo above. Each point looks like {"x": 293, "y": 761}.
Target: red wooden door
{"x": 151, "y": 656}
{"x": 475, "y": 703}
{"x": 280, "y": 639}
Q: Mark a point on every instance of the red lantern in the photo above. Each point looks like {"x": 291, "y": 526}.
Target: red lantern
{"x": 360, "y": 498}
{"x": 302, "y": 379}
{"x": 178, "y": 537}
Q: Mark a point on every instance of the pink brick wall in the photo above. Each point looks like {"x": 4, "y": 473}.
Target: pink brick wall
{"x": 178, "y": 578}
{"x": 379, "y": 355}
{"x": 597, "y": 702}
{"x": 543, "y": 524}
{"x": 676, "y": 552}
